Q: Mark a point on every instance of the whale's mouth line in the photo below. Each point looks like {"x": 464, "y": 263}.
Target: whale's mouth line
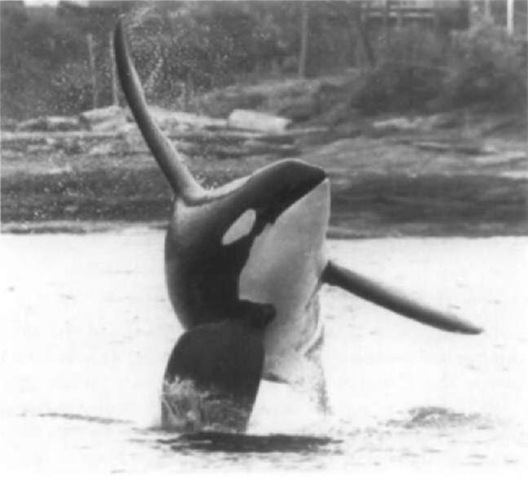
{"x": 302, "y": 198}
{"x": 290, "y": 199}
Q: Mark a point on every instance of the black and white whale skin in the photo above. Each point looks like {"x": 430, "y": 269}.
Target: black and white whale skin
{"x": 213, "y": 373}
{"x": 251, "y": 247}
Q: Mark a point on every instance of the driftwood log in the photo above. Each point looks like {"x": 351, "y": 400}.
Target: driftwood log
{"x": 221, "y": 144}
{"x": 106, "y": 131}
{"x": 49, "y": 124}
{"x": 261, "y": 122}
{"x": 93, "y": 119}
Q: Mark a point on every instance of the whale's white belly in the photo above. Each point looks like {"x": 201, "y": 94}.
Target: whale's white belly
{"x": 284, "y": 269}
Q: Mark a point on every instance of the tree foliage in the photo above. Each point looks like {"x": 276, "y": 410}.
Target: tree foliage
{"x": 182, "y": 48}
{"x": 199, "y": 45}
{"x": 420, "y": 71}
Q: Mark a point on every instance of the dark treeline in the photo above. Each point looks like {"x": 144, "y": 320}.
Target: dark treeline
{"x": 47, "y": 53}
{"x": 59, "y": 60}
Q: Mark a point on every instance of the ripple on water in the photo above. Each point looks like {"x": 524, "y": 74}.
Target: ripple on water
{"x": 244, "y": 443}
{"x": 439, "y": 417}
{"x": 83, "y": 418}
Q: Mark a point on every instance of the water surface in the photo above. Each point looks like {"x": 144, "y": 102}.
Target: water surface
{"x": 86, "y": 330}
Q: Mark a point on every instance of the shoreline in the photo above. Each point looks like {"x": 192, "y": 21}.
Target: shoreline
{"x": 334, "y": 233}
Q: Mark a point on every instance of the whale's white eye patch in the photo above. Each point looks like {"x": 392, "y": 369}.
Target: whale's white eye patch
{"x": 240, "y": 228}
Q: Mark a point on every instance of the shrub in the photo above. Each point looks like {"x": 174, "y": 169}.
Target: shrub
{"x": 408, "y": 73}
{"x": 487, "y": 65}
{"x": 417, "y": 69}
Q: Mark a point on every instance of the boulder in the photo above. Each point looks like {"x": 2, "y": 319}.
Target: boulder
{"x": 100, "y": 119}
{"x": 182, "y": 121}
{"x": 258, "y": 121}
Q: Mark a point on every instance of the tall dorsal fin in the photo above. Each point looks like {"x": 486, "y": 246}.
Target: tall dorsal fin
{"x": 180, "y": 178}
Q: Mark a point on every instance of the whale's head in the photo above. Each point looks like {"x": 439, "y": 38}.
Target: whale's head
{"x": 257, "y": 239}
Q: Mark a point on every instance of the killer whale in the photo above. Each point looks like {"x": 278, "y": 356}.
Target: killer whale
{"x": 252, "y": 253}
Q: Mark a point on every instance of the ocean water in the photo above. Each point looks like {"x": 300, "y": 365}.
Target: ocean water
{"x": 86, "y": 329}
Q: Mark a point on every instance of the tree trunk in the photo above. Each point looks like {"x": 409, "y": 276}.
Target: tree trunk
{"x": 303, "y": 54}
{"x": 113, "y": 73}
{"x": 436, "y": 18}
{"x": 386, "y": 22}
{"x": 487, "y": 9}
{"x": 509, "y": 16}
{"x": 93, "y": 74}
{"x": 363, "y": 34}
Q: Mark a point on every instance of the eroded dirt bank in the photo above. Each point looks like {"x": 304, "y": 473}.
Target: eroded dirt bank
{"x": 384, "y": 183}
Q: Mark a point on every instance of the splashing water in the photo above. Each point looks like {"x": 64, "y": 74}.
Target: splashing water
{"x": 187, "y": 408}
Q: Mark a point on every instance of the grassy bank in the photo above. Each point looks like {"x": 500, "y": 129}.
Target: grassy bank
{"x": 379, "y": 189}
